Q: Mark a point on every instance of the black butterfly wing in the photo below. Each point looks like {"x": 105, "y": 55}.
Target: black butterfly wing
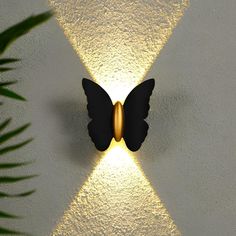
{"x": 100, "y": 109}
{"x": 136, "y": 109}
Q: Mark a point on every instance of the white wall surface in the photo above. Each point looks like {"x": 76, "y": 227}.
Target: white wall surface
{"x": 189, "y": 155}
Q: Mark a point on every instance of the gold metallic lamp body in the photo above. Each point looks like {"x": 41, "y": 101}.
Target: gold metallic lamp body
{"x": 118, "y": 121}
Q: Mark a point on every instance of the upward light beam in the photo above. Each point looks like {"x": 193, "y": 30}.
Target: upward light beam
{"x": 118, "y": 40}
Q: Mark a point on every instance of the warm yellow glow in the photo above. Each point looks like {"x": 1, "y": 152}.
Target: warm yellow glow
{"x": 118, "y": 40}
{"x": 116, "y": 200}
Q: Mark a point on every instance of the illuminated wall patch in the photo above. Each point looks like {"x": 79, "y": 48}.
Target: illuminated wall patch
{"x": 118, "y": 40}
{"x": 116, "y": 200}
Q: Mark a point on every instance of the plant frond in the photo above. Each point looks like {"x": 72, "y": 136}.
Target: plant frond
{"x": 8, "y": 60}
{"x": 11, "y": 34}
{"x": 14, "y": 147}
{"x": 9, "y": 93}
{"x": 14, "y": 165}
{"x": 4, "y": 69}
{"x": 4, "y": 214}
{"x": 5, "y": 231}
{"x": 5, "y": 123}
{"x": 13, "y": 133}
{"x": 24, "y": 194}
{"x": 7, "y": 83}
{"x": 11, "y": 179}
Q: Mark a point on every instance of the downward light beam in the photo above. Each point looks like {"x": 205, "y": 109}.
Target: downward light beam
{"x": 118, "y": 200}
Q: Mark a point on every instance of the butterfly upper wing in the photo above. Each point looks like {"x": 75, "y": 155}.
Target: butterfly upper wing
{"x": 100, "y": 109}
{"x": 136, "y": 109}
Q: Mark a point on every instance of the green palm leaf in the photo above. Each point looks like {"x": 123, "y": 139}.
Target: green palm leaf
{"x": 14, "y": 147}
{"x": 9, "y": 93}
{"x": 10, "y": 232}
{"x": 7, "y": 83}
{"x": 13, "y": 165}
{"x": 11, "y": 179}
{"x": 4, "y": 214}
{"x": 8, "y": 60}
{"x": 24, "y": 194}
{"x": 5, "y": 124}
{"x": 4, "y": 69}
{"x": 11, "y": 34}
{"x": 13, "y": 133}
{"x": 6, "y": 38}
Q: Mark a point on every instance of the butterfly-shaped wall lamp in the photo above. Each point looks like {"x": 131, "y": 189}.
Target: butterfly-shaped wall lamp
{"x": 118, "y": 121}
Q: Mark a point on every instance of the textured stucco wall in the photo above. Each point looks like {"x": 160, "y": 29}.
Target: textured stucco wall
{"x": 189, "y": 155}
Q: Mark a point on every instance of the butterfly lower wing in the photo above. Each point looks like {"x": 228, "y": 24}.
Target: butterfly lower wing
{"x": 100, "y": 109}
{"x": 136, "y": 109}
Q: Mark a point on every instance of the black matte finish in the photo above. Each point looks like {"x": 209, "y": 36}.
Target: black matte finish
{"x": 100, "y": 109}
{"x": 136, "y": 109}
